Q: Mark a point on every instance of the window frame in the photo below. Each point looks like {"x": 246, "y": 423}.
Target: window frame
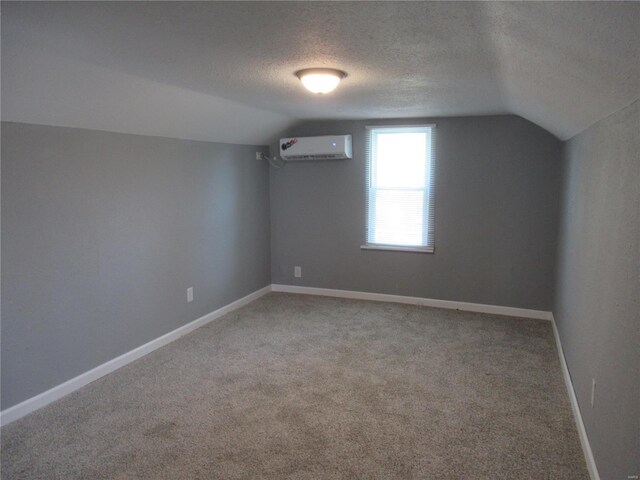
{"x": 429, "y": 192}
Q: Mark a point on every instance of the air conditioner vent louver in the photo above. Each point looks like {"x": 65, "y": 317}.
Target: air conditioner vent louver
{"x": 330, "y": 147}
{"x": 315, "y": 157}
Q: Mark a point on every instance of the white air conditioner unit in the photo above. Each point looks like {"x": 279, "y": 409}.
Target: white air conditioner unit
{"x": 330, "y": 147}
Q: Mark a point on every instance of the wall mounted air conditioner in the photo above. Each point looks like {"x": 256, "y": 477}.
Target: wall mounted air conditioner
{"x": 330, "y": 147}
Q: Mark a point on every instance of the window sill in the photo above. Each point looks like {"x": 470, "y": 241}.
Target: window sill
{"x": 392, "y": 248}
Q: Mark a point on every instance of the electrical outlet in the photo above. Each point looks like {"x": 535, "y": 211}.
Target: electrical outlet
{"x": 297, "y": 272}
{"x": 258, "y": 155}
{"x": 593, "y": 391}
{"x": 189, "y": 294}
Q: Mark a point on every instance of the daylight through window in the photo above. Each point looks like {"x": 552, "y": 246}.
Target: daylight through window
{"x": 400, "y": 188}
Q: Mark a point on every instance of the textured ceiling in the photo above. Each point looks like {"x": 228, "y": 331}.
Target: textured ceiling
{"x": 224, "y": 71}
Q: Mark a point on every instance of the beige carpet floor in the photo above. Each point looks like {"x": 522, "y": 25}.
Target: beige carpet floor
{"x": 301, "y": 387}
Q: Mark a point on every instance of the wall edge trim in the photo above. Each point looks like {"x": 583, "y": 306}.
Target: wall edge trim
{"x": 426, "y": 302}
{"x": 45, "y": 398}
{"x": 575, "y": 407}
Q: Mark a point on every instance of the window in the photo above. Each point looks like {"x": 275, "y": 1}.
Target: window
{"x": 400, "y": 188}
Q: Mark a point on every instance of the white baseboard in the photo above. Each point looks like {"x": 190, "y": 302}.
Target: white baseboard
{"x": 59, "y": 391}
{"x": 427, "y": 302}
{"x": 582, "y": 432}
{"x": 55, "y": 393}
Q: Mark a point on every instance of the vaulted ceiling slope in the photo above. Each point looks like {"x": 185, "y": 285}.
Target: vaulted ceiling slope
{"x": 224, "y": 71}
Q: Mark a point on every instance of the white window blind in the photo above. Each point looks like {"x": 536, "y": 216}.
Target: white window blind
{"x": 400, "y": 177}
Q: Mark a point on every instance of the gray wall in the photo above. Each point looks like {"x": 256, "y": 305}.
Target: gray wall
{"x": 102, "y": 234}
{"x": 496, "y": 211}
{"x": 597, "y": 305}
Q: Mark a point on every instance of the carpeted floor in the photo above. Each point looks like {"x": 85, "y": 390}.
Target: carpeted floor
{"x": 301, "y": 387}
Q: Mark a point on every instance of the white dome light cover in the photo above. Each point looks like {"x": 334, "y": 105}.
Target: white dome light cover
{"x": 320, "y": 80}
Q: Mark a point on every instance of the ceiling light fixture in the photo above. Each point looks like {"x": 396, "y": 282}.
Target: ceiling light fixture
{"x": 320, "y": 80}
